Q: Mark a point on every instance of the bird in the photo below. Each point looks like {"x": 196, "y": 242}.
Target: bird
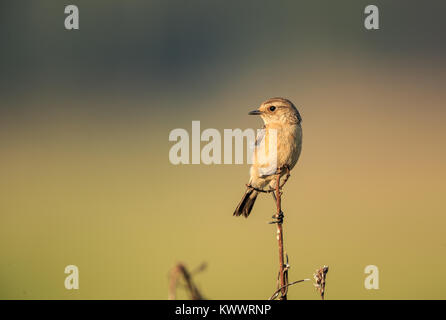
{"x": 282, "y": 118}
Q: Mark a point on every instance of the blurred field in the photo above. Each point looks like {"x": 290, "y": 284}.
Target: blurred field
{"x": 85, "y": 177}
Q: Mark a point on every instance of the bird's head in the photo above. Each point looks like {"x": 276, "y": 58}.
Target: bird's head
{"x": 278, "y": 110}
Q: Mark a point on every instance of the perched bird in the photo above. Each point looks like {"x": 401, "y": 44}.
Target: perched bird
{"x": 282, "y": 116}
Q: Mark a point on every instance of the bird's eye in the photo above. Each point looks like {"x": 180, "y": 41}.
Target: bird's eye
{"x": 272, "y": 108}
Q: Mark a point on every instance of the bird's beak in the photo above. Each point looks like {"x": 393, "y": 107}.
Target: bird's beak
{"x": 255, "y": 113}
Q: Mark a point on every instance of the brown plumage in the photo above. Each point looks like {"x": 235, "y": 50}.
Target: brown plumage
{"x": 283, "y": 122}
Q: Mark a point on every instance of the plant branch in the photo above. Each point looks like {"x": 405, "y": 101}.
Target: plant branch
{"x": 275, "y": 294}
{"x": 283, "y": 269}
{"x": 180, "y": 271}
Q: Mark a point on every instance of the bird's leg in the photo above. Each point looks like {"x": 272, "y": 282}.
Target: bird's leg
{"x": 278, "y": 218}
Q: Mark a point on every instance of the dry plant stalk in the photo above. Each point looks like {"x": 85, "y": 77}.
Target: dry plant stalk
{"x": 320, "y": 277}
{"x": 275, "y": 294}
{"x": 282, "y": 286}
{"x": 283, "y": 270}
{"x": 180, "y": 271}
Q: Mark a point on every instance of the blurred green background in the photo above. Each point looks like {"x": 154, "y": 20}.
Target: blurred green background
{"x": 85, "y": 117}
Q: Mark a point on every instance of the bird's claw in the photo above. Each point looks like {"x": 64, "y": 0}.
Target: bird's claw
{"x": 277, "y": 218}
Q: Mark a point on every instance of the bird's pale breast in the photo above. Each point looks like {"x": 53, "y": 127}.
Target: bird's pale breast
{"x": 289, "y": 145}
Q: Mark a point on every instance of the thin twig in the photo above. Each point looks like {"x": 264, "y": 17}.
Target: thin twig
{"x": 200, "y": 268}
{"x": 283, "y": 270}
{"x": 275, "y": 294}
{"x": 180, "y": 271}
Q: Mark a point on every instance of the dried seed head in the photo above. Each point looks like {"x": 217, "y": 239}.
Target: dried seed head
{"x": 319, "y": 278}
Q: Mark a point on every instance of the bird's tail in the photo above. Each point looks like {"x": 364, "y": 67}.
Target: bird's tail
{"x": 245, "y": 206}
